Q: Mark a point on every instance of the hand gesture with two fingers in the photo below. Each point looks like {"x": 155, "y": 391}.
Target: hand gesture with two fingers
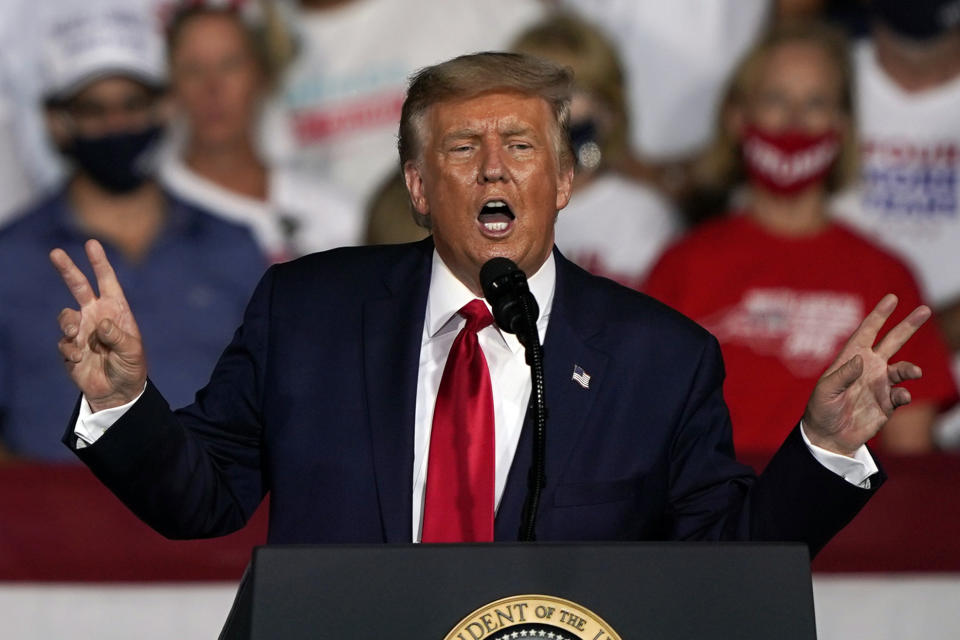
{"x": 858, "y": 392}
{"x": 101, "y": 344}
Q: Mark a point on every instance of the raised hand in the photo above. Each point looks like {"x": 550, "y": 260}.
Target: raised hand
{"x": 858, "y": 392}
{"x": 101, "y": 345}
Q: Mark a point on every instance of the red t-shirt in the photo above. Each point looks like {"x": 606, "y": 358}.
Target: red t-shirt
{"x": 782, "y": 308}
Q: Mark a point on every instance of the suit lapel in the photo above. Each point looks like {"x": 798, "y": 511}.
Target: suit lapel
{"x": 567, "y": 345}
{"x": 392, "y": 332}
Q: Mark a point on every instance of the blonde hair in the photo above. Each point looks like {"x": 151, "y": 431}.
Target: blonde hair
{"x": 566, "y": 39}
{"x": 475, "y": 74}
{"x": 721, "y": 166}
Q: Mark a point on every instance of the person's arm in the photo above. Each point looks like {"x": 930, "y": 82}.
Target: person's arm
{"x": 909, "y": 431}
{"x": 193, "y": 473}
{"x": 948, "y": 316}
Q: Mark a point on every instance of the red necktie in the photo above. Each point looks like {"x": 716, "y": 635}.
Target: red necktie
{"x": 460, "y": 473}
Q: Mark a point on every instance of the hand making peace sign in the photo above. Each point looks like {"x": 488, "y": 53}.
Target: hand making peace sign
{"x": 101, "y": 343}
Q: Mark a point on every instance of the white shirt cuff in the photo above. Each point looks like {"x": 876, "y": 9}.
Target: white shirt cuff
{"x": 90, "y": 426}
{"x": 856, "y": 470}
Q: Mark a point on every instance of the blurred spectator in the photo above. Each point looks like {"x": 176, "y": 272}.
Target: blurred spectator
{"x": 15, "y": 188}
{"x": 29, "y": 151}
{"x": 677, "y": 56}
{"x": 188, "y": 273}
{"x": 340, "y": 99}
{"x": 908, "y": 105}
{"x": 779, "y": 284}
{"x": 614, "y": 226}
{"x": 390, "y": 215}
{"x": 220, "y": 76}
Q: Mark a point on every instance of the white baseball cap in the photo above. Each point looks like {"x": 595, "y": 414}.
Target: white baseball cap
{"x": 85, "y": 46}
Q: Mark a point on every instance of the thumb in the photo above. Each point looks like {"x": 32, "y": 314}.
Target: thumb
{"x": 114, "y": 338}
{"x": 840, "y": 380}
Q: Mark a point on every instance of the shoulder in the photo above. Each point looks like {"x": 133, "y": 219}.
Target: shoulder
{"x": 27, "y": 238}
{"x": 868, "y": 253}
{"x": 356, "y": 270}
{"x": 33, "y": 219}
{"x": 625, "y": 312}
{"x": 712, "y": 242}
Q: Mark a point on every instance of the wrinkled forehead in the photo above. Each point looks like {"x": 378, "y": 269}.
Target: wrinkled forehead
{"x": 503, "y": 112}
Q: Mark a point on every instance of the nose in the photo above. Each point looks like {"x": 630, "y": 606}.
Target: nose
{"x": 491, "y": 167}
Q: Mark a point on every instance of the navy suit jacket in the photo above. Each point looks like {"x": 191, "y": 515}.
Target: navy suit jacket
{"x": 314, "y": 400}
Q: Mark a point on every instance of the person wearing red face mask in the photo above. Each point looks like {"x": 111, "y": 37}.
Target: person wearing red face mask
{"x": 778, "y": 282}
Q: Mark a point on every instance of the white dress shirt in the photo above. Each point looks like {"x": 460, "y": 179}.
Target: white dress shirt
{"x": 509, "y": 377}
{"x": 509, "y": 373}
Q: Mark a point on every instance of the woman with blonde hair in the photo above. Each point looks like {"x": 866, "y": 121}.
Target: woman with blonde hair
{"x": 614, "y": 226}
{"x": 776, "y": 280}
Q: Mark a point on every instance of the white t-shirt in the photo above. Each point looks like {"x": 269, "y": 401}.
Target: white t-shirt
{"x": 302, "y": 215}
{"x": 677, "y": 56}
{"x": 909, "y": 194}
{"x": 339, "y": 104}
{"x": 908, "y": 197}
{"x": 616, "y": 227}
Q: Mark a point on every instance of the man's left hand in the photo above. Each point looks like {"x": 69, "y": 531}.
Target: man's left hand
{"x": 857, "y": 394}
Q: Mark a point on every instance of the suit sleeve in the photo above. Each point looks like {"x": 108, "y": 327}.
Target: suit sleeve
{"x": 714, "y": 497}
{"x": 196, "y": 472}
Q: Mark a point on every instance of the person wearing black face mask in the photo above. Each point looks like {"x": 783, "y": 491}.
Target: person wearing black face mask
{"x": 106, "y": 111}
{"x": 614, "y": 226}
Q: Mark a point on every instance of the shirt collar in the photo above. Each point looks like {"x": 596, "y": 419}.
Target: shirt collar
{"x": 447, "y": 296}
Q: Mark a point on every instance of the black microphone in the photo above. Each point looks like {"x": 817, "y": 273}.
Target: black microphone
{"x": 514, "y": 307}
{"x": 516, "y": 311}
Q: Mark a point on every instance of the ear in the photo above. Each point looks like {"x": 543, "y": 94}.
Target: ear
{"x": 58, "y": 126}
{"x": 414, "y": 180}
{"x": 564, "y": 187}
{"x": 166, "y": 108}
{"x": 734, "y": 121}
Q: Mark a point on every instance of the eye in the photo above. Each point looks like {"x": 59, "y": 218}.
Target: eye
{"x": 521, "y": 146}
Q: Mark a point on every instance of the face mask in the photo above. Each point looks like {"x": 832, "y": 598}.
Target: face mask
{"x": 790, "y": 161}
{"x": 583, "y": 139}
{"x": 918, "y": 19}
{"x": 118, "y": 162}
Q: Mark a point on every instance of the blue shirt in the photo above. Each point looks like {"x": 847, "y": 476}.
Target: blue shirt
{"x": 187, "y": 295}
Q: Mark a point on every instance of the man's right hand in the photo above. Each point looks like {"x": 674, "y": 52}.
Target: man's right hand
{"x": 101, "y": 345}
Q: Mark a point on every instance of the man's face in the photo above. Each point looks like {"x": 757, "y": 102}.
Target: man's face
{"x": 490, "y": 180}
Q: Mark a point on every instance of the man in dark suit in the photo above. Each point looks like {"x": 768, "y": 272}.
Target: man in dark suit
{"x": 325, "y": 397}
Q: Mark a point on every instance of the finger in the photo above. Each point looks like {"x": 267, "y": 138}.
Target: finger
{"x": 107, "y": 282}
{"x": 69, "y": 321}
{"x": 69, "y": 350}
{"x": 898, "y": 336}
{"x": 72, "y": 276}
{"x": 866, "y": 333}
{"x": 903, "y": 371}
{"x": 840, "y": 380}
{"x": 899, "y": 397}
{"x": 116, "y": 339}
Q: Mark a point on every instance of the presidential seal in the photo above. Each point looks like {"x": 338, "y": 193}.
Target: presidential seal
{"x": 532, "y": 617}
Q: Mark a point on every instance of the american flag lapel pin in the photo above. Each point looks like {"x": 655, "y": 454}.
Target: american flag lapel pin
{"x": 581, "y": 377}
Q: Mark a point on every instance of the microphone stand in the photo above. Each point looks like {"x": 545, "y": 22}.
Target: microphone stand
{"x": 515, "y": 310}
{"x": 537, "y": 477}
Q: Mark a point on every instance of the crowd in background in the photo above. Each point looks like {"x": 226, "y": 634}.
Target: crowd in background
{"x": 770, "y": 168}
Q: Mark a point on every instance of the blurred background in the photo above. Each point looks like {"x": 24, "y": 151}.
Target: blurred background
{"x": 768, "y": 167}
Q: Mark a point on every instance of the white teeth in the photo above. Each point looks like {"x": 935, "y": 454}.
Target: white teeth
{"x": 495, "y": 204}
{"x": 496, "y": 226}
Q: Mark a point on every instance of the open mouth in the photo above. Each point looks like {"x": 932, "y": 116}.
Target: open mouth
{"x": 495, "y": 218}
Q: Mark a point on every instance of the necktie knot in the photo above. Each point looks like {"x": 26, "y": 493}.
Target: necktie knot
{"x": 477, "y": 315}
